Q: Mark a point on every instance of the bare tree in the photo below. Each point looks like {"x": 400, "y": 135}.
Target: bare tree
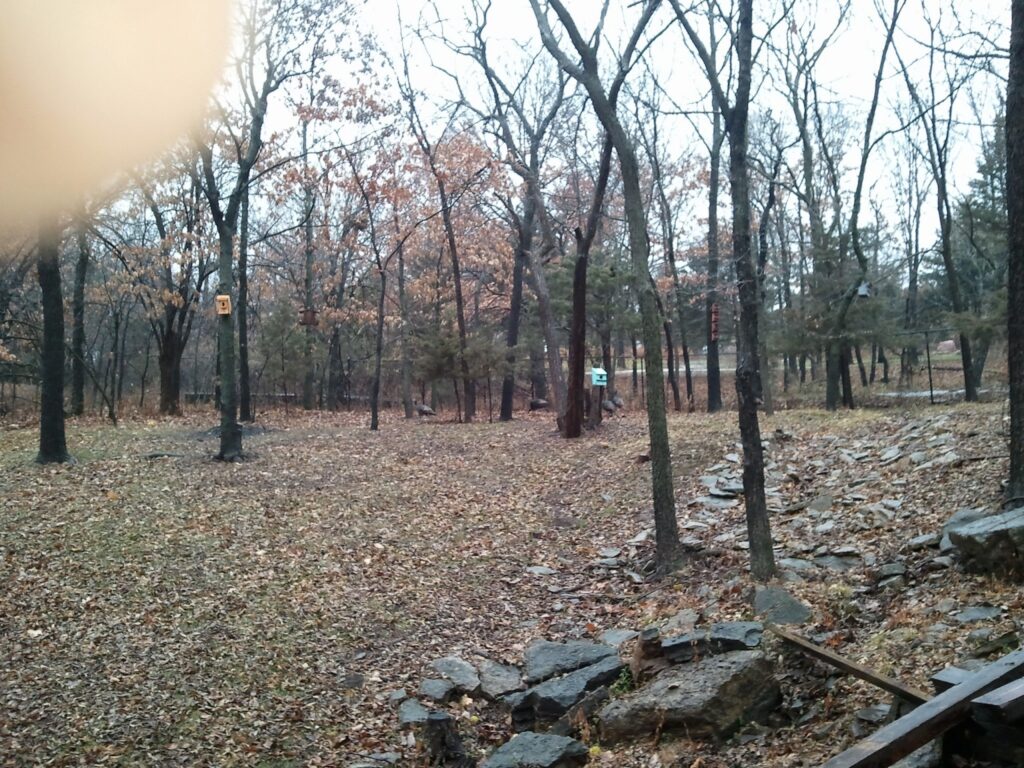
{"x": 52, "y": 442}
{"x": 735, "y": 116}
{"x": 583, "y": 67}
{"x": 1015, "y": 209}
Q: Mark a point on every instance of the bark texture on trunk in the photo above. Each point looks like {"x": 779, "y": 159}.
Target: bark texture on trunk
{"x": 78, "y": 325}
{"x": 52, "y": 443}
{"x": 1015, "y": 210}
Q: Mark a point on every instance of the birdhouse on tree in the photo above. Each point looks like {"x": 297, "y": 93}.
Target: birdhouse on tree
{"x": 308, "y": 316}
{"x": 598, "y": 377}
{"x": 223, "y": 304}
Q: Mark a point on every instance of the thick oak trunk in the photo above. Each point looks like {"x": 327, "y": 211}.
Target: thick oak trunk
{"x": 52, "y": 443}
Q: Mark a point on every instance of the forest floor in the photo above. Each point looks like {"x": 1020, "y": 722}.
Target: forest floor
{"x": 173, "y": 610}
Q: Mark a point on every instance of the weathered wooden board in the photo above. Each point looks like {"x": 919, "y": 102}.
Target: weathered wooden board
{"x": 889, "y": 684}
{"x": 930, "y": 720}
{"x": 1002, "y": 705}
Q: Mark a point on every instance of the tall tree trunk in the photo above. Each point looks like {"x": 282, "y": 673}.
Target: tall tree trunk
{"x": 714, "y": 377}
{"x": 78, "y": 325}
{"x": 403, "y": 332}
{"x": 577, "y": 346}
{"x": 1015, "y": 211}
{"x": 468, "y": 384}
{"x": 308, "y": 400}
{"x": 245, "y": 408}
{"x": 230, "y": 430}
{"x": 556, "y": 376}
{"x": 52, "y": 443}
{"x": 378, "y": 354}
{"x": 508, "y": 383}
{"x": 111, "y": 393}
{"x": 762, "y": 556}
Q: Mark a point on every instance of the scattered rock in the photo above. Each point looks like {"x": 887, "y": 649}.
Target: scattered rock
{"x": 684, "y": 621}
{"x": 459, "y": 673}
{"x": 551, "y": 699}
{"x": 538, "y": 750}
{"x": 609, "y": 552}
{"x": 821, "y": 503}
{"x": 545, "y": 659}
{"x": 836, "y": 563}
{"x": 616, "y": 637}
{"x": 411, "y": 712}
{"x": 720, "y": 638}
{"x": 541, "y": 570}
{"x": 994, "y": 543}
{"x": 978, "y": 613}
{"x": 928, "y": 756}
{"x": 795, "y": 564}
{"x": 892, "y": 569}
{"x": 437, "y": 689}
{"x": 498, "y": 679}
{"x": 924, "y": 541}
{"x": 707, "y": 699}
{"x": 779, "y": 607}
{"x": 397, "y": 696}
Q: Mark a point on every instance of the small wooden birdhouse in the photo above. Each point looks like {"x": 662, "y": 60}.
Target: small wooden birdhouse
{"x": 864, "y": 290}
{"x": 223, "y": 304}
{"x": 308, "y": 316}
{"x": 598, "y": 377}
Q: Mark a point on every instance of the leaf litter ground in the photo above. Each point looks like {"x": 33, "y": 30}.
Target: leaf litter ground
{"x": 172, "y": 610}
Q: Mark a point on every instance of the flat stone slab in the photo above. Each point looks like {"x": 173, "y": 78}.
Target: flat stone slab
{"x": 498, "y": 679}
{"x": 538, "y": 750}
{"x": 551, "y": 699}
{"x": 458, "y": 672}
{"x": 411, "y": 712}
{"x": 437, "y": 689}
{"x": 993, "y": 543}
{"x": 707, "y": 699}
{"x": 720, "y": 638}
{"x": 779, "y": 607}
{"x": 544, "y": 659}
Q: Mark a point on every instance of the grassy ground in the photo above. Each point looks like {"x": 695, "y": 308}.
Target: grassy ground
{"x": 179, "y": 611}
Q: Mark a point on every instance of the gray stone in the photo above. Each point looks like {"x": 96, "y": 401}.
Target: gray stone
{"x": 892, "y": 569}
{"x": 982, "y": 635}
{"x": 459, "y": 673}
{"x": 978, "y": 613}
{"x": 397, "y": 696}
{"x": 545, "y": 659}
{"x": 551, "y": 699}
{"x": 411, "y": 712}
{"x": 795, "y": 564}
{"x": 963, "y": 517}
{"x": 837, "y": 563}
{"x": 821, "y": 503}
{"x": 541, "y": 570}
{"x": 538, "y": 750}
{"x": 609, "y": 552}
{"x": 779, "y": 606}
{"x": 893, "y": 582}
{"x": 924, "y": 541}
{"x": 720, "y": 638}
{"x": 706, "y": 699}
{"x": 994, "y": 543}
{"x": 928, "y": 756}
{"x": 616, "y": 637}
{"x": 437, "y": 689}
{"x": 498, "y": 679}
{"x": 684, "y": 621}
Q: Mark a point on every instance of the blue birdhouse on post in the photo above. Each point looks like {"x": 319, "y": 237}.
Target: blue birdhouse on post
{"x": 598, "y": 377}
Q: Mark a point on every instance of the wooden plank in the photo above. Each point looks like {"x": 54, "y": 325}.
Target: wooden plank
{"x": 913, "y": 695}
{"x": 1003, "y": 705}
{"x": 930, "y": 720}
